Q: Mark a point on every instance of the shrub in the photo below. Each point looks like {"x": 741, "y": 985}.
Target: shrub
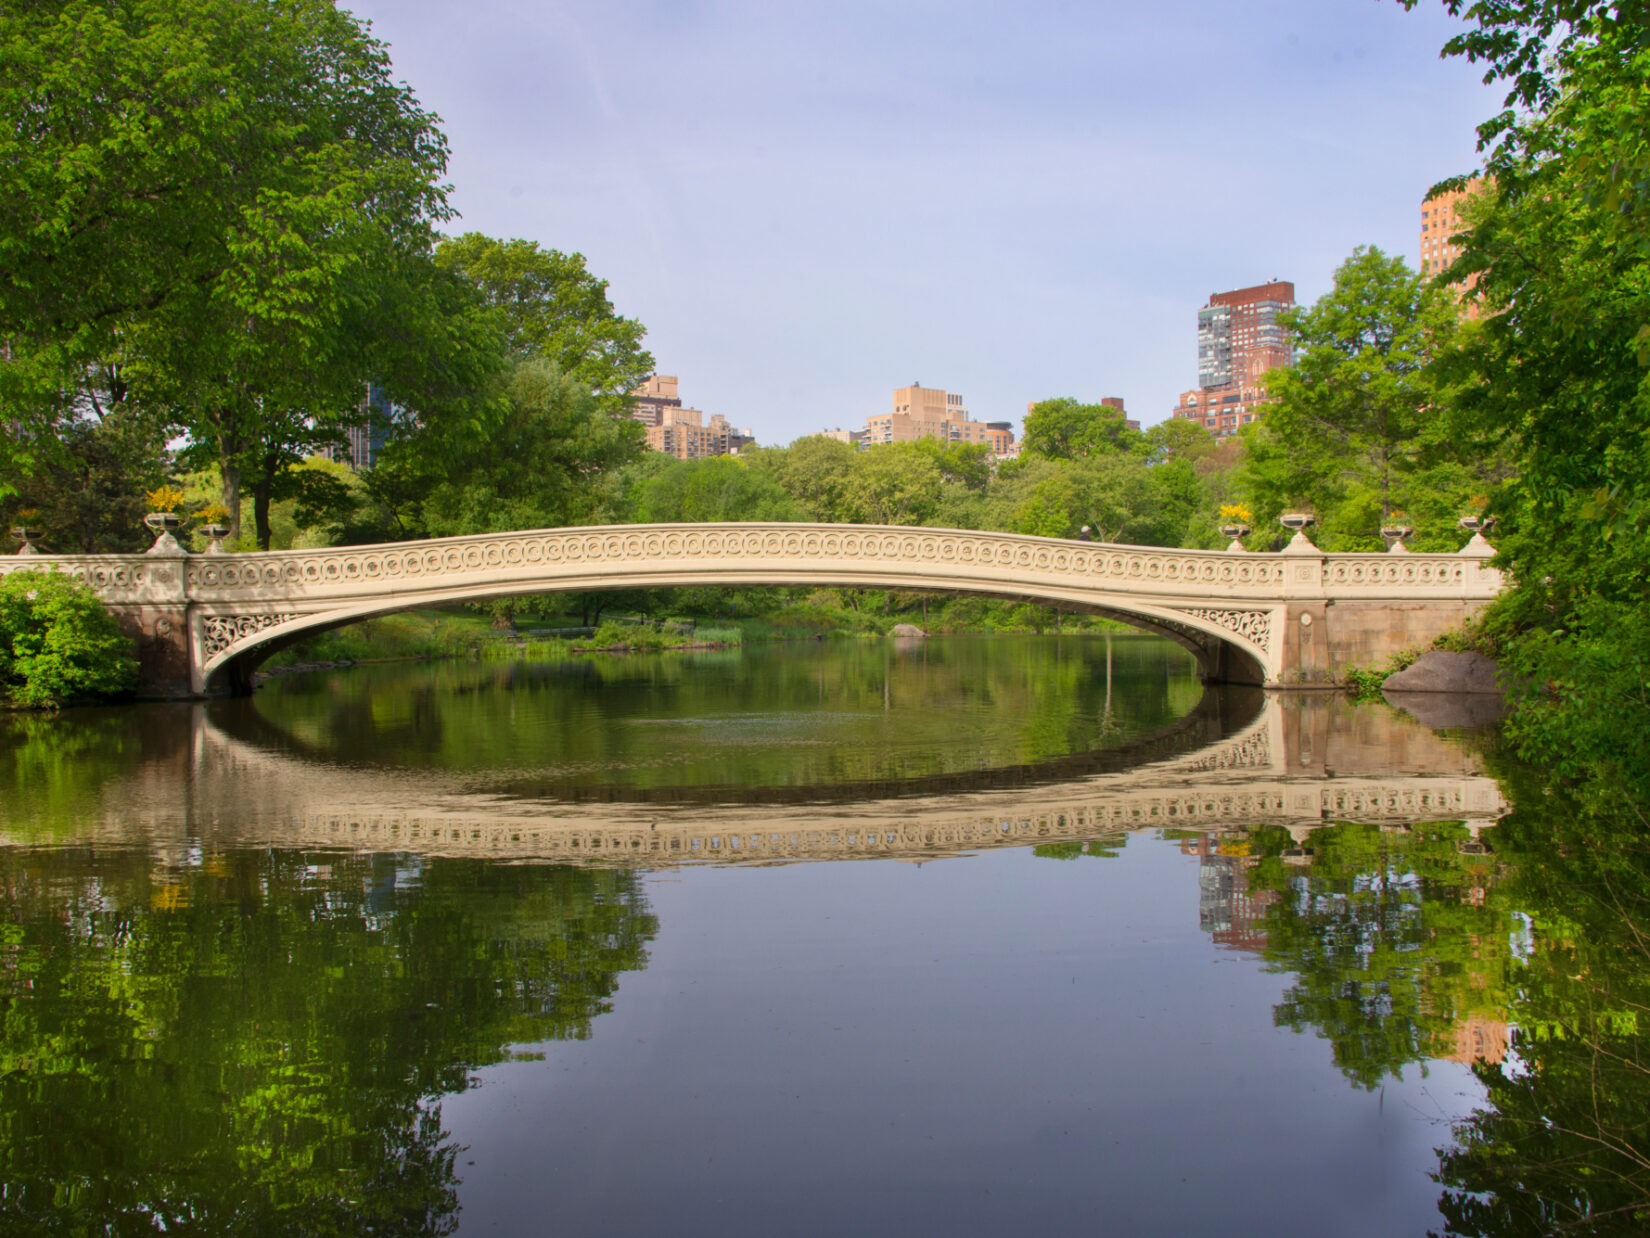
{"x": 58, "y": 644}
{"x": 1365, "y": 682}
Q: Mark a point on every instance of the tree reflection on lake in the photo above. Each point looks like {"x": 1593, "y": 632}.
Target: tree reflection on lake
{"x": 269, "y": 966}
{"x": 257, "y": 1042}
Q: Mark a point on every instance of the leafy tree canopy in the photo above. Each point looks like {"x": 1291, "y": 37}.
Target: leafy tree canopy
{"x": 551, "y": 306}
{"x": 1065, "y": 429}
{"x": 264, "y": 180}
{"x": 1355, "y": 427}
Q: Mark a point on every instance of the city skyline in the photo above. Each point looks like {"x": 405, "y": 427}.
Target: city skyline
{"x": 1022, "y": 206}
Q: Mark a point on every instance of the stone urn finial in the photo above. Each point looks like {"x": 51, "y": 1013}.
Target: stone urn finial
{"x": 1237, "y": 531}
{"x": 214, "y": 534}
{"x": 1477, "y": 526}
{"x": 165, "y": 525}
{"x": 27, "y": 537}
{"x": 1395, "y": 534}
{"x": 1299, "y": 522}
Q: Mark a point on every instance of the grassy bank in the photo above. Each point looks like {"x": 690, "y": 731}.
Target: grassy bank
{"x": 543, "y": 633}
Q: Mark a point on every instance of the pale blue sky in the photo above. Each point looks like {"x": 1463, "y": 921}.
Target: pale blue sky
{"x": 811, "y": 204}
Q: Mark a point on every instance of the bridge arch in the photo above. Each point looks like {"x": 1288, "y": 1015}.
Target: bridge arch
{"x": 1229, "y": 646}
{"x": 1295, "y": 618}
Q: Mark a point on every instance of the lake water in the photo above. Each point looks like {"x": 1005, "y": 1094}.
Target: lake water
{"x": 961, "y": 936}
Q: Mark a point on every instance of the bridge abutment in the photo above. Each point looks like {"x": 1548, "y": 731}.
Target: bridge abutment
{"x": 161, "y": 634}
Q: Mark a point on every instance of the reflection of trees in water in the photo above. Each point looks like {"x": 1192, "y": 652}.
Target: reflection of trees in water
{"x": 1563, "y": 1146}
{"x": 1389, "y": 935}
{"x": 257, "y": 1043}
{"x": 1029, "y": 700}
{"x": 1399, "y": 939}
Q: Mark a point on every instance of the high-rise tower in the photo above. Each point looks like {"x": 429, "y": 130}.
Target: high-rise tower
{"x": 1239, "y": 338}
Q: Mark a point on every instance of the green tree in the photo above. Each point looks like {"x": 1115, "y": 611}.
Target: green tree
{"x": 1558, "y": 259}
{"x": 58, "y": 644}
{"x": 87, "y": 493}
{"x": 1115, "y": 494}
{"x": 1065, "y": 429}
{"x": 1356, "y": 419}
{"x": 813, "y": 471}
{"x": 260, "y": 1044}
{"x": 264, "y": 180}
{"x": 1389, "y": 937}
{"x": 715, "y": 488}
{"x": 1177, "y": 438}
{"x": 540, "y": 459}
{"x": 551, "y": 306}
{"x": 892, "y": 483}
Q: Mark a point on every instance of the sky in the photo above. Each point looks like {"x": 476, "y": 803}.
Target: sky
{"x": 810, "y": 204}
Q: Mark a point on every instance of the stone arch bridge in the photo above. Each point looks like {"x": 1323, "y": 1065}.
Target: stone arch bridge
{"x": 1297, "y": 618}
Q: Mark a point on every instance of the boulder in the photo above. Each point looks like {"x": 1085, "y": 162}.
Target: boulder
{"x": 906, "y": 629}
{"x": 1439, "y": 671}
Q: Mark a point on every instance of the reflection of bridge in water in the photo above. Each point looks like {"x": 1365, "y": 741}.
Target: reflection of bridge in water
{"x": 1298, "y": 764}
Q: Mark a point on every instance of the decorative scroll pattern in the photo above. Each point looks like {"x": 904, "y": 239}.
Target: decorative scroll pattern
{"x": 1254, "y": 626}
{"x": 1369, "y": 803}
{"x": 824, "y": 544}
{"x": 1393, "y": 570}
{"x": 107, "y": 574}
{"x": 222, "y": 631}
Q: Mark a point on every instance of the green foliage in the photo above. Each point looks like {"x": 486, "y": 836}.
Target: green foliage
{"x": 1555, "y": 380}
{"x": 1586, "y": 690}
{"x": 58, "y": 644}
{"x": 259, "y": 1043}
{"x": 814, "y": 472}
{"x": 1365, "y": 681}
{"x": 1352, "y": 431}
{"x": 1065, "y": 429}
{"x": 551, "y": 307}
{"x": 87, "y": 490}
{"x": 1389, "y": 939}
{"x": 537, "y": 463}
{"x": 1561, "y": 1143}
{"x": 893, "y": 483}
{"x": 271, "y": 191}
{"x": 717, "y": 488}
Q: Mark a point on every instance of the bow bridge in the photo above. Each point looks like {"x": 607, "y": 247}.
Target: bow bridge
{"x": 1296, "y": 618}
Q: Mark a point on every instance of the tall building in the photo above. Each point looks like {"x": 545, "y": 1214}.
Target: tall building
{"x": 1239, "y": 338}
{"x": 1440, "y": 221}
{"x": 365, "y": 439}
{"x": 928, "y": 412}
{"x": 682, "y": 432}
{"x": 653, "y": 397}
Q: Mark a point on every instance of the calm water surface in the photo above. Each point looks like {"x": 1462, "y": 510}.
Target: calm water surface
{"x": 967, "y": 936}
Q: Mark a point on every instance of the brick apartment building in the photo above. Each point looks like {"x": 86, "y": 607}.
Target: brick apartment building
{"x": 1238, "y": 339}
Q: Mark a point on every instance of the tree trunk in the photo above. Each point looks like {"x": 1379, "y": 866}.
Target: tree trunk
{"x": 260, "y": 510}
{"x": 230, "y": 468}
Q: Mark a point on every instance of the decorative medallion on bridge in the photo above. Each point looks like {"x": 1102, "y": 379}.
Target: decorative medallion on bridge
{"x": 1254, "y": 626}
{"x": 222, "y": 631}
